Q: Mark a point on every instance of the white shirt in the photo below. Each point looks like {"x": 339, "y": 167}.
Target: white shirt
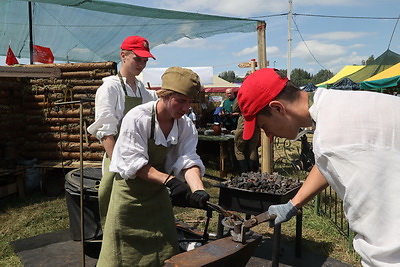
{"x": 192, "y": 116}
{"x": 110, "y": 105}
{"x": 131, "y": 149}
{"x": 357, "y": 149}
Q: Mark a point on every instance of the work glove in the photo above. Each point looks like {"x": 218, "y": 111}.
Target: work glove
{"x": 283, "y": 213}
{"x": 198, "y": 199}
{"x": 179, "y": 192}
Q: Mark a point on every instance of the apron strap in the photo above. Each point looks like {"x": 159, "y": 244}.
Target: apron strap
{"x": 153, "y": 122}
{"x": 124, "y": 86}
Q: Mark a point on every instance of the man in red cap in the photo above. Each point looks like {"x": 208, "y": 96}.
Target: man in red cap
{"x": 114, "y": 98}
{"x": 357, "y": 152}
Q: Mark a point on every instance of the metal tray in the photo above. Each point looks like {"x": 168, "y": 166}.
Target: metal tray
{"x": 250, "y": 202}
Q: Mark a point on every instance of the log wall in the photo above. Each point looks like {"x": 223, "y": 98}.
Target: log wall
{"x": 35, "y": 127}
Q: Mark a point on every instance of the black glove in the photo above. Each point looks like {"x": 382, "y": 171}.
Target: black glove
{"x": 199, "y": 199}
{"x": 179, "y": 192}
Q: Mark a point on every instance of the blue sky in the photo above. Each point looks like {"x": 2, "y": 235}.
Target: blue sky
{"x": 333, "y": 42}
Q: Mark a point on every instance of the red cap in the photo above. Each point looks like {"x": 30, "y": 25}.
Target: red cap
{"x": 257, "y": 91}
{"x": 138, "y": 45}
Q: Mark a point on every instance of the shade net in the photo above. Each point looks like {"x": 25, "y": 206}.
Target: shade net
{"x": 92, "y": 31}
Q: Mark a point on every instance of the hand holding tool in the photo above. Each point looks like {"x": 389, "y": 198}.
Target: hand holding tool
{"x": 283, "y": 212}
{"x": 179, "y": 192}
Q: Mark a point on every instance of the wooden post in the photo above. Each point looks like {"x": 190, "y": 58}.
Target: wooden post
{"x": 266, "y": 147}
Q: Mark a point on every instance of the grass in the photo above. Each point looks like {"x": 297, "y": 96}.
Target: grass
{"x": 39, "y": 214}
{"x": 23, "y": 218}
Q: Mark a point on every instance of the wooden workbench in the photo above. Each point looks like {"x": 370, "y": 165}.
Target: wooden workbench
{"x": 226, "y": 150}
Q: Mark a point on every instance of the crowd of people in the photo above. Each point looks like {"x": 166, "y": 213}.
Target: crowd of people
{"x": 151, "y": 164}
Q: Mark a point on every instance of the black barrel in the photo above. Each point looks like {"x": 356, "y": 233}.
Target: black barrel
{"x": 91, "y": 181}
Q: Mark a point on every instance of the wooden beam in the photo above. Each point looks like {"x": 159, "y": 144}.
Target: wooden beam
{"x": 34, "y": 72}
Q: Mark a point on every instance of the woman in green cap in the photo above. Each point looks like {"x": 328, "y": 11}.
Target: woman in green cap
{"x": 156, "y": 151}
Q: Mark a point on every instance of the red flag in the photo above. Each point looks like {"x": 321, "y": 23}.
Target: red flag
{"x": 10, "y": 58}
{"x": 42, "y": 54}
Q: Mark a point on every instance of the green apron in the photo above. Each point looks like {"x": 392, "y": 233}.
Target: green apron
{"x": 107, "y": 179}
{"x": 140, "y": 226}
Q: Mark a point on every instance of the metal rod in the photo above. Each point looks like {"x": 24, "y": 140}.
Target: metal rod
{"x": 289, "y": 63}
{"x": 299, "y": 224}
{"x": 75, "y": 102}
{"x": 81, "y": 180}
{"x": 30, "y": 32}
{"x": 276, "y": 245}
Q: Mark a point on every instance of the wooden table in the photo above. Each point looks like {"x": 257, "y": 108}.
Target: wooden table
{"x": 226, "y": 150}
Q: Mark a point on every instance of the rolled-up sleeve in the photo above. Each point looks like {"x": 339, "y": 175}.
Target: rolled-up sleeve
{"x": 131, "y": 149}
{"x": 108, "y": 110}
{"x": 183, "y": 155}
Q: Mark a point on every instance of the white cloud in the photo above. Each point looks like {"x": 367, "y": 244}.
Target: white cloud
{"x": 331, "y": 2}
{"x": 271, "y": 51}
{"x": 193, "y": 43}
{"x": 339, "y": 35}
{"x": 331, "y": 56}
{"x": 247, "y": 51}
{"x": 322, "y": 51}
{"x": 227, "y": 7}
{"x": 242, "y": 8}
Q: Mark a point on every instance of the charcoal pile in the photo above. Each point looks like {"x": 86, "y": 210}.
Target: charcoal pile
{"x": 264, "y": 183}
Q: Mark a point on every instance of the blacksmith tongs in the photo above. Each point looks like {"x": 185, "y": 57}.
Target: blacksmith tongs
{"x": 239, "y": 227}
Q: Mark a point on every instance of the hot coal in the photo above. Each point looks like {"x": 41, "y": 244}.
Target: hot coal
{"x": 264, "y": 183}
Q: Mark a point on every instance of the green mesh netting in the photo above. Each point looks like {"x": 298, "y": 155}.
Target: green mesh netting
{"x": 91, "y": 31}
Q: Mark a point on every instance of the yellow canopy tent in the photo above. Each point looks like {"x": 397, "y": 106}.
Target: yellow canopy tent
{"x": 387, "y": 79}
{"x": 347, "y": 70}
{"x": 388, "y": 73}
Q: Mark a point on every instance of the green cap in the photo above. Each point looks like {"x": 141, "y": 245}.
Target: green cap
{"x": 181, "y": 80}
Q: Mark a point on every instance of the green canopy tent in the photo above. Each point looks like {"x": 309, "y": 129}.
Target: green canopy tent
{"x": 382, "y": 84}
{"x": 381, "y": 63}
{"x": 91, "y": 31}
{"x": 387, "y": 79}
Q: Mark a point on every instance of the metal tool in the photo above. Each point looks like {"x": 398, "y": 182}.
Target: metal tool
{"x": 240, "y": 227}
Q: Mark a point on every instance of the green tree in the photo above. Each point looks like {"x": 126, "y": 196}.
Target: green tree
{"x": 370, "y": 60}
{"x": 321, "y": 76}
{"x": 300, "y": 77}
{"x": 229, "y": 76}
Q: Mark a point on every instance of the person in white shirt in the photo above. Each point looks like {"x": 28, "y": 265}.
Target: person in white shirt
{"x": 114, "y": 98}
{"x": 357, "y": 152}
{"x": 156, "y": 151}
{"x": 192, "y": 115}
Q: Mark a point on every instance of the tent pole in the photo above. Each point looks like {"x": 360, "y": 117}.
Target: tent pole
{"x": 289, "y": 63}
{"x": 266, "y": 147}
{"x": 30, "y": 33}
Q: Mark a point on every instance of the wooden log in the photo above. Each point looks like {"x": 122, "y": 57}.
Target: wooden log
{"x": 85, "y": 74}
{"x": 5, "y": 93}
{"x": 44, "y": 128}
{"x": 78, "y": 66}
{"x": 84, "y": 89}
{"x": 49, "y": 103}
{"x": 65, "y": 155}
{"x": 66, "y": 146}
{"x": 62, "y": 113}
{"x": 37, "y": 71}
{"x": 54, "y": 121}
{"x": 56, "y": 97}
{"x": 82, "y": 82}
{"x": 51, "y": 137}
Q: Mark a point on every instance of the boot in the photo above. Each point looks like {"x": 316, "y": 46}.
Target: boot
{"x": 242, "y": 166}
